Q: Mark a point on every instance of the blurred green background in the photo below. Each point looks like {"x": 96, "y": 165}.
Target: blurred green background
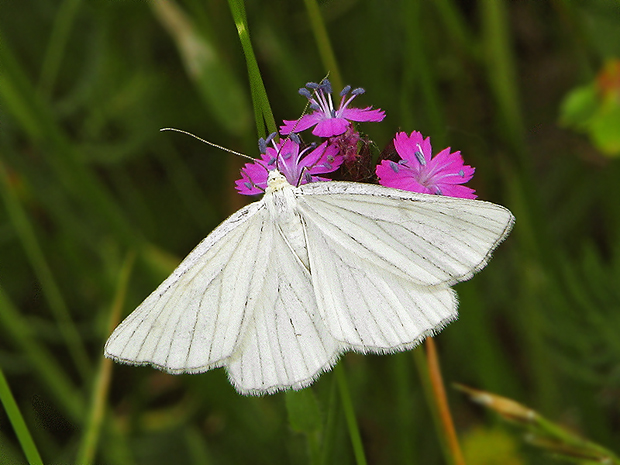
{"x": 98, "y": 207}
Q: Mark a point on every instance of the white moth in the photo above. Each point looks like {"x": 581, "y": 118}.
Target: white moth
{"x": 285, "y": 285}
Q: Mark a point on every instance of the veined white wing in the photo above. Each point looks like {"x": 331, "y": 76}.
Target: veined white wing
{"x": 383, "y": 259}
{"x": 285, "y": 341}
{"x": 428, "y": 239}
{"x": 241, "y": 299}
{"x": 190, "y": 323}
{"x": 278, "y": 290}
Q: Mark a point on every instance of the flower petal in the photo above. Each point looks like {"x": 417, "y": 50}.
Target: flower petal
{"x": 330, "y": 159}
{"x": 401, "y": 180}
{"x": 301, "y": 124}
{"x": 456, "y": 190}
{"x": 329, "y": 127}
{"x": 253, "y": 179}
{"x": 408, "y": 147}
{"x": 362, "y": 114}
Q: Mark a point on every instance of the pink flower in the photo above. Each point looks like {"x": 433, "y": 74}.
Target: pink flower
{"x": 347, "y": 143}
{"x": 417, "y": 171}
{"x": 299, "y": 167}
{"x": 330, "y": 122}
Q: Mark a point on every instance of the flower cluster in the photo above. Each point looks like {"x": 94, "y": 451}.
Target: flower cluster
{"x": 298, "y": 166}
{"x": 417, "y": 170}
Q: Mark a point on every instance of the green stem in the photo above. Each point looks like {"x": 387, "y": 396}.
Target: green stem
{"x": 419, "y": 357}
{"x": 501, "y": 72}
{"x": 88, "y": 447}
{"x": 324, "y": 44}
{"x": 56, "y": 44}
{"x": 18, "y": 423}
{"x": 44, "y": 365}
{"x": 331, "y": 425}
{"x": 417, "y": 71}
{"x": 552, "y": 430}
{"x": 262, "y": 108}
{"x": 349, "y": 412}
{"x": 441, "y": 403}
{"x": 455, "y": 25}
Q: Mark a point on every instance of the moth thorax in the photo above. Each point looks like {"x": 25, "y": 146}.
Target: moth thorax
{"x": 276, "y": 181}
{"x": 282, "y": 206}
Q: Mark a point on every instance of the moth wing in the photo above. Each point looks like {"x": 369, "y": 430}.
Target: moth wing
{"x": 192, "y": 321}
{"x": 428, "y": 239}
{"x": 382, "y": 260}
{"x": 285, "y": 343}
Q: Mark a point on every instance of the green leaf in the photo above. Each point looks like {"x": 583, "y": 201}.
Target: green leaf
{"x": 579, "y": 107}
{"x": 604, "y": 128}
{"x": 19, "y": 425}
{"x": 304, "y": 415}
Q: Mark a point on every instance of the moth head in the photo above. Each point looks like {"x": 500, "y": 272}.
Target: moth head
{"x": 276, "y": 181}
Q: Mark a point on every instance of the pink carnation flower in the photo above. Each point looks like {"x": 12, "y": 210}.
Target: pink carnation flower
{"x": 418, "y": 171}
{"x": 347, "y": 143}
{"x": 329, "y": 121}
{"x": 299, "y": 167}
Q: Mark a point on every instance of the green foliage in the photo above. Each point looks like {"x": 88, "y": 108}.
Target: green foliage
{"x": 87, "y": 179}
{"x": 303, "y": 411}
{"x": 595, "y": 109}
{"x": 484, "y": 446}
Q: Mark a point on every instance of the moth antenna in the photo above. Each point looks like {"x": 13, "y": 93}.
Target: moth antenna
{"x": 254, "y": 160}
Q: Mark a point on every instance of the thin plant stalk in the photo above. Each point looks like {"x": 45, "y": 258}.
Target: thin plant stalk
{"x": 542, "y": 432}
{"x": 221, "y": 90}
{"x": 331, "y": 423}
{"x": 418, "y": 72}
{"x": 262, "y": 108}
{"x": 433, "y": 399}
{"x": 57, "y": 44}
{"x": 44, "y": 365}
{"x": 441, "y": 400}
{"x": 88, "y": 447}
{"x": 18, "y": 423}
{"x": 349, "y": 412}
{"x": 323, "y": 43}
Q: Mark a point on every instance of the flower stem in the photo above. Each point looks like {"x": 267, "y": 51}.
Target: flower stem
{"x": 19, "y": 425}
{"x": 262, "y": 108}
{"x": 441, "y": 403}
{"x": 90, "y": 438}
{"x": 347, "y": 405}
{"x": 323, "y": 43}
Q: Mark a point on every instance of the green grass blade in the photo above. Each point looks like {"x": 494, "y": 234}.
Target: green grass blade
{"x": 57, "y": 44}
{"x": 455, "y": 24}
{"x": 219, "y": 86}
{"x": 349, "y": 412}
{"x": 44, "y": 364}
{"x": 32, "y": 114}
{"x": 330, "y": 430}
{"x": 501, "y": 70}
{"x": 88, "y": 446}
{"x": 19, "y": 425}
{"x": 56, "y": 302}
{"x": 262, "y": 108}
{"x": 419, "y": 72}
{"x": 323, "y": 44}
{"x": 421, "y": 362}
